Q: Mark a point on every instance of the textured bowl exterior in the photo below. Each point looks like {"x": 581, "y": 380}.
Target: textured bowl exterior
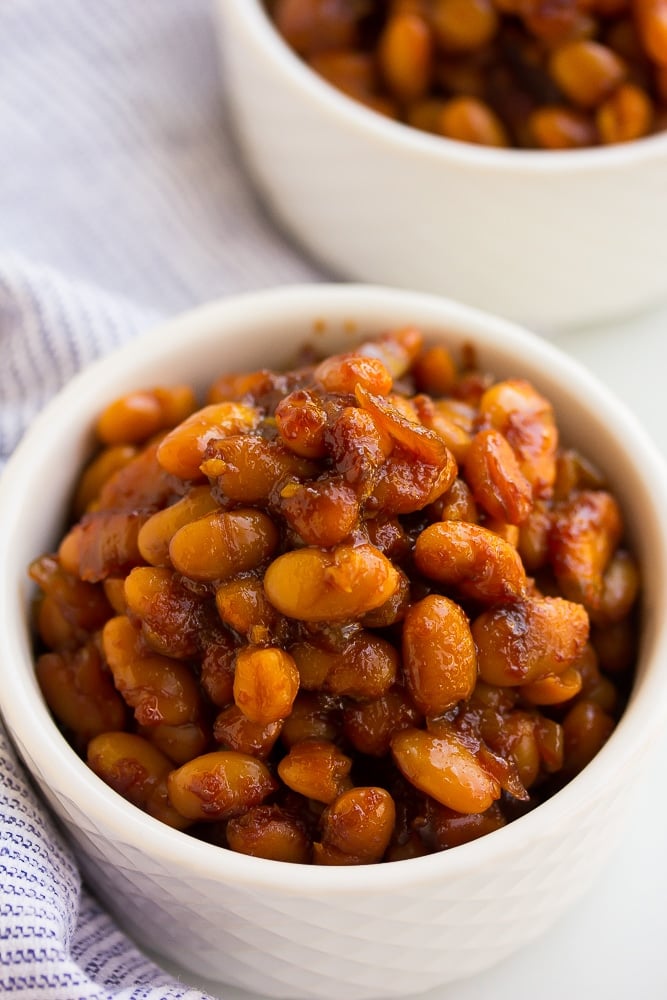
{"x": 550, "y": 239}
{"x": 314, "y": 946}
{"x": 302, "y": 932}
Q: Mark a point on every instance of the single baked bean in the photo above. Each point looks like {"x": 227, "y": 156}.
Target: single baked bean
{"x": 313, "y": 584}
{"x": 435, "y": 371}
{"x": 586, "y": 728}
{"x": 344, "y": 372}
{"x": 132, "y": 419}
{"x": 495, "y": 477}
{"x": 464, "y": 117}
{"x": 157, "y": 532}
{"x": 439, "y": 658}
{"x": 457, "y": 504}
{"x": 408, "y": 433}
{"x": 463, "y": 25}
{"x": 180, "y": 742}
{"x": 651, "y": 19}
{"x": 53, "y": 627}
{"x": 527, "y": 420}
{"x": 114, "y": 591}
{"x": 468, "y": 119}
{"x": 236, "y": 731}
{"x": 323, "y": 512}
{"x": 553, "y": 689}
{"x": 397, "y": 349}
{"x": 314, "y": 715}
{"x": 181, "y": 452}
{"x": 158, "y": 688}
{"x": 443, "y": 768}
{"x": 620, "y": 586}
{"x": 405, "y": 56}
{"x": 316, "y": 769}
{"x": 555, "y": 23}
{"x": 529, "y": 639}
{"x": 360, "y": 822}
{"x": 624, "y": 116}
{"x": 450, "y": 829}
{"x": 533, "y": 544}
{"x": 302, "y": 420}
{"x": 549, "y": 736}
{"x": 557, "y": 127}
{"x": 358, "y": 449}
{"x": 408, "y": 484}
{"x": 171, "y": 615}
{"x": 129, "y": 764}
{"x": 476, "y": 561}
{"x": 243, "y": 606}
{"x": 266, "y": 681}
{"x": 269, "y": 832}
{"x": 586, "y": 72}
{"x": 584, "y": 536}
{"x": 315, "y": 25}
{"x": 517, "y": 741}
{"x": 223, "y": 543}
{"x": 249, "y": 469}
{"x": 135, "y": 417}
{"x": 219, "y": 785}
{"x": 370, "y": 725}
{"x": 436, "y": 415}
{"x": 79, "y": 691}
{"x": 217, "y": 671}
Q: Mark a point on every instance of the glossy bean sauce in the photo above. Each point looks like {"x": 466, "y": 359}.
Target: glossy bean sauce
{"x": 366, "y": 609}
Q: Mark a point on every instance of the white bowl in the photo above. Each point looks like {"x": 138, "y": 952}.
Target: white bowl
{"x": 303, "y": 932}
{"x": 551, "y": 239}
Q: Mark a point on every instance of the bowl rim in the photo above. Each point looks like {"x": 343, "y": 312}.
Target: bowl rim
{"x": 42, "y": 744}
{"x": 253, "y": 18}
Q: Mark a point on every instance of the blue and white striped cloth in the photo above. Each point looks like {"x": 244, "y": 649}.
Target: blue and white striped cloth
{"x": 122, "y": 199}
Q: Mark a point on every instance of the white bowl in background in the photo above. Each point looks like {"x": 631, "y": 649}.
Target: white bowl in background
{"x": 551, "y": 239}
{"x": 305, "y": 932}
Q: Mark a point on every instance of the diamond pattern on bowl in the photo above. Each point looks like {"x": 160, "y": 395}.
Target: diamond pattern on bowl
{"x": 357, "y": 945}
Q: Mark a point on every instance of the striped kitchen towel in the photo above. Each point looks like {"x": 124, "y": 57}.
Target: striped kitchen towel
{"x": 56, "y": 943}
{"x": 122, "y": 200}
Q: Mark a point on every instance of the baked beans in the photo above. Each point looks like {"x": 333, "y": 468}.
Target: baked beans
{"x": 369, "y": 608}
{"x": 523, "y": 73}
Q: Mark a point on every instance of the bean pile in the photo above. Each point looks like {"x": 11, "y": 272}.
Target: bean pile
{"x": 366, "y": 609}
{"x": 545, "y": 74}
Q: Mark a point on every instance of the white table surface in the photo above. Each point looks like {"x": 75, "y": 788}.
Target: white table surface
{"x": 613, "y": 945}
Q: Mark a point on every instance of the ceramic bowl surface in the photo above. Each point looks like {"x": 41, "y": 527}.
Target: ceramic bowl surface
{"x": 552, "y": 239}
{"x": 302, "y": 932}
